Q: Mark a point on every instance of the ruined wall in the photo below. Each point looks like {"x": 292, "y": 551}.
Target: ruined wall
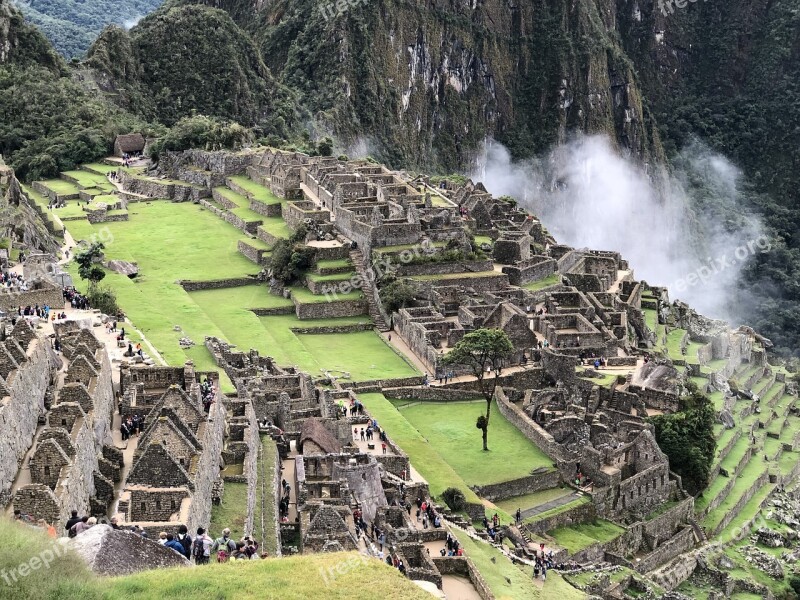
{"x": 47, "y": 296}
{"x": 331, "y": 310}
{"x": 253, "y": 441}
{"x": 76, "y": 486}
{"x": 19, "y": 412}
{"x": 208, "y": 467}
{"x": 518, "y": 487}
{"x": 529, "y": 428}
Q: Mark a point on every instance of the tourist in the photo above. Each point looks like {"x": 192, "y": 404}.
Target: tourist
{"x": 113, "y": 524}
{"x": 72, "y": 520}
{"x": 185, "y": 540}
{"x": 383, "y": 447}
{"x": 224, "y": 546}
{"x": 518, "y": 516}
{"x": 83, "y": 525}
{"x": 174, "y": 544}
{"x": 239, "y": 553}
{"x": 201, "y": 547}
{"x": 162, "y": 538}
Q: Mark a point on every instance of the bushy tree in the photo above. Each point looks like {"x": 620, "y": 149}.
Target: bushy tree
{"x": 398, "y": 294}
{"x": 200, "y": 131}
{"x": 687, "y": 438}
{"x": 454, "y": 498}
{"x": 484, "y": 351}
{"x": 87, "y": 264}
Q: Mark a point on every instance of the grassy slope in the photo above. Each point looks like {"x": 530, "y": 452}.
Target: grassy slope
{"x": 231, "y": 512}
{"x": 68, "y": 578}
{"x": 521, "y": 586}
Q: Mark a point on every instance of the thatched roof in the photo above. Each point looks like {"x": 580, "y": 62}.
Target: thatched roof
{"x": 314, "y": 431}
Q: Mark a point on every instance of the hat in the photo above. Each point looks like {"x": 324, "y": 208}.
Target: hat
{"x": 226, "y": 531}
{"x": 91, "y": 521}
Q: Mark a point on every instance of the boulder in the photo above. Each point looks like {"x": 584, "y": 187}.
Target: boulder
{"x": 110, "y": 551}
{"x": 123, "y": 267}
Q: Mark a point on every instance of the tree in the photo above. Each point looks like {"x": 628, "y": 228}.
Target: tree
{"x": 87, "y": 264}
{"x": 687, "y": 438}
{"x": 484, "y": 351}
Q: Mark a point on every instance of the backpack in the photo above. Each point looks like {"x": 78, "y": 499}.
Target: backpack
{"x": 198, "y": 547}
{"x": 186, "y": 542}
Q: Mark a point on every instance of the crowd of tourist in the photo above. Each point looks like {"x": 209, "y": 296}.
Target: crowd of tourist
{"x": 75, "y": 298}
{"x": 13, "y": 282}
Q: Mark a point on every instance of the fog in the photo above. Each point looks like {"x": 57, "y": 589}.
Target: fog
{"x": 685, "y": 230}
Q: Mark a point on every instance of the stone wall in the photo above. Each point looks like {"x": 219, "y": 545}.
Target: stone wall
{"x": 251, "y": 253}
{"x": 331, "y": 310}
{"x": 439, "y": 268}
{"x": 253, "y": 441}
{"x": 529, "y": 428}
{"x": 193, "y": 286}
{"x": 47, "y": 295}
{"x": 208, "y": 467}
{"x": 463, "y": 566}
{"x": 584, "y": 513}
{"x": 20, "y": 410}
{"x": 226, "y": 215}
{"x": 533, "y": 269}
{"x": 678, "y": 544}
{"x": 656, "y": 399}
{"x": 427, "y": 394}
{"x": 518, "y": 487}
{"x": 76, "y": 486}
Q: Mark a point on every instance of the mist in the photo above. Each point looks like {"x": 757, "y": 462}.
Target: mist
{"x": 131, "y": 23}
{"x": 685, "y": 230}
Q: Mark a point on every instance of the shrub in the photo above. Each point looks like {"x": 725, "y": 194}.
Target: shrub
{"x": 103, "y": 299}
{"x": 454, "y": 498}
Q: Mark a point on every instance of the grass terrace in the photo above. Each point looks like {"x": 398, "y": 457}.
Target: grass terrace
{"x": 549, "y": 281}
{"x": 61, "y": 187}
{"x": 174, "y": 241}
{"x": 443, "y": 276}
{"x": 87, "y": 179}
{"x": 305, "y": 296}
{"x": 424, "y": 455}
{"x": 510, "y": 505}
{"x": 259, "y": 192}
{"x": 101, "y": 168}
{"x": 450, "y": 427}
{"x": 231, "y": 512}
{"x": 579, "y": 537}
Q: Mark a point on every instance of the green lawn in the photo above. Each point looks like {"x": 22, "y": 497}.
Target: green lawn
{"x": 450, "y": 427}
{"x": 61, "y": 187}
{"x": 548, "y": 281}
{"x": 334, "y": 264}
{"x": 86, "y": 179}
{"x": 276, "y": 226}
{"x": 578, "y": 537}
{"x": 259, "y": 192}
{"x": 304, "y": 296}
{"x": 231, "y": 512}
{"x": 424, "y": 455}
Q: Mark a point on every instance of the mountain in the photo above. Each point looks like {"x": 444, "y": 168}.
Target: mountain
{"x": 49, "y": 120}
{"x": 72, "y": 25}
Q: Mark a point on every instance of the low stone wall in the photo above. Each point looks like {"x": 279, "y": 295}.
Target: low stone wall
{"x": 463, "y": 565}
{"x": 266, "y": 237}
{"x": 330, "y": 310}
{"x": 278, "y": 310}
{"x": 518, "y": 487}
{"x": 193, "y": 286}
{"x": 441, "y": 268}
{"x": 573, "y": 516}
{"x": 529, "y": 428}
{"x": 395, "y": 464}
{"x": 427, "y": 394}
{"x": 481, "y": 284}
{"x": 656, "y": 399}
{"x": 353, "y": 328}
{"x": 744, "y": 499}
{"x": 252, "y": 253}
{"x": 102, "y": 216}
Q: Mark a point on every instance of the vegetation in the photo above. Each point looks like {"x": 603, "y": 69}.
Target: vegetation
{"x": 72, "y": 25}
{"x": 291, "y": 258}
{"x": 396, "y": 295}
{"x": 87, "y": 263}
{"x": 483, "y": 351}
{"x": 687, "y": 438}
{"x": 199, "y": 131}
{"x": 454, "y": 498}
{"x": 67, "y": 576}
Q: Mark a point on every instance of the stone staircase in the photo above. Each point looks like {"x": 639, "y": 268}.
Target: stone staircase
{"x": 368, "y": 288}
